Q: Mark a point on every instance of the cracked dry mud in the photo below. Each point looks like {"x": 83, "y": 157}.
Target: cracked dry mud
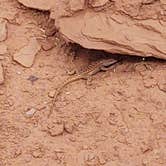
{"x": 118, "y": 120}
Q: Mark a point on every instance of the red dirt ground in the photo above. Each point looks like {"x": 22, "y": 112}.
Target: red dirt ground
{"x": 118, "y": 120}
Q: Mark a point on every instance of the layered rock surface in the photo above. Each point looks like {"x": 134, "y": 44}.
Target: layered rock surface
{"x": 135, "y": 27}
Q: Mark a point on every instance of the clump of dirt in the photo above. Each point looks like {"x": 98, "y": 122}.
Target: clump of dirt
{"x": 118, "y": 119}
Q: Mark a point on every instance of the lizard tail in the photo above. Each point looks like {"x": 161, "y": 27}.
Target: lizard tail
{"x": 59, "y": 90}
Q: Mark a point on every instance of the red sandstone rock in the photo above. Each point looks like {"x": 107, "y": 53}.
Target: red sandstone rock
{"x": 26, "y": 55}
{"x": 126, "y": 27}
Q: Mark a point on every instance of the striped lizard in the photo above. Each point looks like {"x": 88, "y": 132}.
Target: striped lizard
{"x": 91, "y": 70}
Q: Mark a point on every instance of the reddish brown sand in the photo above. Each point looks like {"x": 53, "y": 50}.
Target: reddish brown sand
{"x": 118, "y": 120}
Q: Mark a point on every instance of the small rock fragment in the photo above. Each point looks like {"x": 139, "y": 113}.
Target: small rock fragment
{"x": 162, "y": 87}
{"x": 3, "y": 49}
{"x": 16, "y": 152}
{"x": 10, "y": 102}
{"x": 48, "y": 45}
{"x": 99, "y": 3}
{"x": 25, "y": 132}
{"x": 1, "y": 75}
{"x": 69, "y": 127}
{"x": 18, "y": 72}
{"x": 51, "y": 94}
{"x": 27, "y": 54}
{"x": 38, "y": 153}
{"x": 56, "y": 129}
{"x": 3, "y": 29}
{"x": 30, "y": 112}
{"x": 76, "y": 5}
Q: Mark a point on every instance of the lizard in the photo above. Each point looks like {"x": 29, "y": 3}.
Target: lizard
{"x": 102, "y": 65}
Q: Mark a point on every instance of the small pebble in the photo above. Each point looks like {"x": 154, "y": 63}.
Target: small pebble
{"x": 18, "y": 72}
{"x": 51, "y": 94}
{"x": 3, "y": 29}
{"x": 30, "y": 112}
{"x": 48, "y": 45}
{"x": 69, "y": 127}
{"x": 45, "y": 102}
{"x": 55, "y": 129}
{"x": 68, "y": 93}
{"x": 38, "y": 153}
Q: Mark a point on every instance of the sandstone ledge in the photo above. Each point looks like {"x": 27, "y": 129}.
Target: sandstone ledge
{"x": 135, "y": 27}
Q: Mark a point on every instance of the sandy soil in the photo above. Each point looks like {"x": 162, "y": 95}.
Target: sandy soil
{"x": 118, "y": 120}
